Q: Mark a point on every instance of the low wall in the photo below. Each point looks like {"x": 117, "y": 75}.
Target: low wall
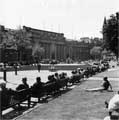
{"x": 48, "y": 67}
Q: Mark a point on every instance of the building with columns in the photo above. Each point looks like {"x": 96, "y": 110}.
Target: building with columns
{"x": 55, "y": 45}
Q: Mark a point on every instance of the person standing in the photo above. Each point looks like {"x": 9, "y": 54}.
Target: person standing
{"x": 15, "y": 69}
{"x": 39, "y": 67}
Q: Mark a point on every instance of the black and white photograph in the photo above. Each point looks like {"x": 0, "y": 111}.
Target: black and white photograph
{"x": 59, "y": 59}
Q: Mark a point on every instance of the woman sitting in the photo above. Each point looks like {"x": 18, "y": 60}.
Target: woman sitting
{"x": 105, "y": 86}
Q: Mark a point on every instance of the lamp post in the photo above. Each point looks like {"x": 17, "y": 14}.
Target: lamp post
{"x": 4, "y": 72}
{"x": 4, "y": 67}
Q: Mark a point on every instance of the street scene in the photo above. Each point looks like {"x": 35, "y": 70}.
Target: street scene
{"x": 59, "y": 60}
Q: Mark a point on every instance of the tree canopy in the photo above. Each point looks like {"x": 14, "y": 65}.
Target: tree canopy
{"x": 96, "y": 51}
{"x": 37, "y": 51}
{"x": 110, "y": 33}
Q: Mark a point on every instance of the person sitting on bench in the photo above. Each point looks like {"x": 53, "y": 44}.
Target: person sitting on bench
{"x": 5, "y": 94}
{"x": 37, "y": 89}
{"x": 23, "y": 91}
{"x": 105, "y": 86}
{"x": 23, "y": 85}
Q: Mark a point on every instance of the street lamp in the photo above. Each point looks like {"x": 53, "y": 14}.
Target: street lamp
{"x": 4, "y": 66}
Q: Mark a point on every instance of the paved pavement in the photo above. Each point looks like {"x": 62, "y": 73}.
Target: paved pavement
{"x": 75, "y": 103}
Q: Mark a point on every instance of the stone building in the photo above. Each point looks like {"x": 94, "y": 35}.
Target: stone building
{"x": 52, "y": 42}
{"x": 55, "y": 45}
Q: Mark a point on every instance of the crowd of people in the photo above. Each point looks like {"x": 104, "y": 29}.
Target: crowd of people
{"x": 77, "y": 75}
{"x": 37, "y": 87}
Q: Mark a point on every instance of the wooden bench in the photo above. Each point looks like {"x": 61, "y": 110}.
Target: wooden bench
{"x": 75, "y": 79}
{"x": 63, "y": 83}
{"x": 16, "y": 99}
{"x": 49, "y": 88}
{"x": 37, "y": 93}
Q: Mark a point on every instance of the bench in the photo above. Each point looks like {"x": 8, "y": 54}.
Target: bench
{"x": 37, "y": 93}
{"x": 49, "y": 88}
{"x": 63, "y": 83}
{"x": 75, "y": 79}
{"x": 16, "y": 99}
{"x": 55, "y": 87}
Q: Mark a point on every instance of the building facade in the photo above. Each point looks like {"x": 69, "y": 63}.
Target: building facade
{"x": 55, "y": 46}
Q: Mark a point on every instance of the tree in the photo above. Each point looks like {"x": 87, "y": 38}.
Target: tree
{"x": 96, "y": 52}
{"x": 37, "y": 52}
{"x": 23, "y": 41}
{"x": 110, "y": 33}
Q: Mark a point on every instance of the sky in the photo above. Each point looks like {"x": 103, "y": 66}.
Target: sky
{"x": 74, "y": 18}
